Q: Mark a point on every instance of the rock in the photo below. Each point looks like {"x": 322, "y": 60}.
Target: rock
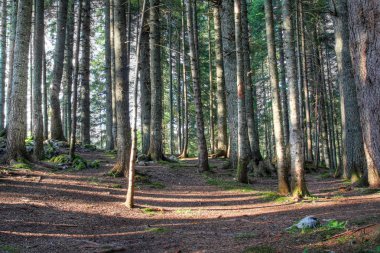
{"x": 173, "y": 158}
{"x": 308, "y": 222}
{"x": 141, "y": 163}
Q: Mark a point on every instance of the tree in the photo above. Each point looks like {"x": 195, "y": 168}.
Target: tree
{"x": 56, "y": 130}
{"x": 17, "y": 117}
{"x": 220, "y": 83}
{"x": 121, "y": 92}
{"x": 194, "y": 63}
{"x": 295, "y": 138}
{"x": 365, "y": 54}
{"x": 39, "y": 41}
{"x": 85, "y": 73}
{"x": 352, "y": 138}
{"x": 3, "y": 57}
{"x": 283, "y": 185}
{"x": 107, "y": 30}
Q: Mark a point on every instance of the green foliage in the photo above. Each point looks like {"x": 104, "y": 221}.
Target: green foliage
{"x": 150, "y": 210}
{"x": 8, "y": 249}
{"x": 94, "y": 164}
{"x": 90, "y": 147}
{"x": 274, "y": 196}
{"x": 324, "y": 231}
{"x": 156, "y": 185}
{"x": 157, "y": 230}
{"x": 229, "y": 185}
{"x": 79, "y": 163}
{"x": 259, "y": 249}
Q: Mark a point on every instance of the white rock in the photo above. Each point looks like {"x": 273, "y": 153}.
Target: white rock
{"x": 308, "y": 222}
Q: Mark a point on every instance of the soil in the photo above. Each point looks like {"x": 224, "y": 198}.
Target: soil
{"x": 177, "y": 210}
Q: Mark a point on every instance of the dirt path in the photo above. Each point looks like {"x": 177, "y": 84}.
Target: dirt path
{"x": 179, "y": 210}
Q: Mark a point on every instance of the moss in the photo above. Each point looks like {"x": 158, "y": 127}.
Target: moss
{"x": 259, "y": 249}
{"x": 229, "y": 185}
{"x": 79, "y": 163}
{"x": 245, "y": 235}
{"x": 8, "y": 249}
{"x": 115, "y": 186}
{"x": 150, "y": 210}
{"x": 94, "y": 164}
{"x": 157, "y": 230}
{"x": 274, "y": 196}
{"x": 156, "y": 185}
{"x": 21, "y": 165}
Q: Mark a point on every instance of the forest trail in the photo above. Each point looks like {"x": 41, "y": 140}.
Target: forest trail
{"x": 179, "y": 210}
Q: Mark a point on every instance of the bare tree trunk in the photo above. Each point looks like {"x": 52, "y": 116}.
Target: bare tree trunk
{"x": 56, "y": 130}
{"x": 109, "y": 81}
{"x": 202, "y": 146}
{"x": 179, "y": 91}
{"x": 364, "y": 22}
{"x": 295, "y": 138}
{"x": 211, "y": 95}
{"x": 155, "y": 149}
{"x": 122, "y": 92}
{"x": 75, "y": 84}
{"x": 17, "y": 118}
{"x": 220, "y": 81}
{"x": 282, "y": 170}
{"x": 39, "y": 41}
{"x": 45, "y": 96}
{"x": 353, "y": 149}
{"x": 171, "y": 98}
{"x": 3, "y": 60}
{"x": 112, "y": 38}
{"x": 85, "y": 74}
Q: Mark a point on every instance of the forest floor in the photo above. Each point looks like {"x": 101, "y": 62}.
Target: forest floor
{"x": 178, "y": 210}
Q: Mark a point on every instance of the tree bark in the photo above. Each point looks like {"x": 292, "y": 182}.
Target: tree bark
{"x": 171, "y": 96}
{"x": 282, "y": 170}
{"x": 211, "y": 83}
{"x": 17, "y": 117}
{"x": 56, "y": 130}
{"x": 194, "y": 63}
{"x": 364, "y": 29}
{"x": 3, "y": 60}
{"x": 295, "y": 137}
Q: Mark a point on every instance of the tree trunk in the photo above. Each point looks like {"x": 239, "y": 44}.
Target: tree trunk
{"x": 364, "y": 22}
{"x": 353, "y": 149}
{"x": 85, "y": 73}
{"x": 220, "y": 84}
{"x": 282, "y": 170}
{"x": 145, "y": 88}
{"x": 229, "y": 52}
{"x": 109, "y": 135}
{"x": 171, "y": 98}
{"x": 211, "y": 95}
{"x": 75, "y": 84}
{"x": 3, "y": 60}
{"x": 155, "y": 149}
{"x": 45, "y": 96}
{"x": 179, "y": 92}
{"x": 194, "y": 63}
{"x": 17, "y": 117}
{"x": 56, "y": 130}
{"x": 295, "y": 137}
{"x": 39, "y": 41}
{"x": 112, "y": 40}
{"x": 122, "y": 92}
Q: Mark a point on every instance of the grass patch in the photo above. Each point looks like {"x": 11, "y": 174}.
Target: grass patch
{"x": 184, "y": 211}
{"x": 8, "y": 249}
{"x": 323, "y": 232}
{"x": 228, "y": 185}
{"x": 338, "y": 196}
{"x": 259, "y": 249}
{"x": 150, "y": 210}
{"x": 79, "y": 163}
{"x": 115, "y": 186}
{"x": 245, "y": 235}
{"x": 275, "y": 197}
{"x": 21, "y": 166}
{"x": 157, "y": 230}
{"x": 156, "y": 185}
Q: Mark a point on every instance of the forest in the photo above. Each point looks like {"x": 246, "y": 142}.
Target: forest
{"x": 190, "y": 126}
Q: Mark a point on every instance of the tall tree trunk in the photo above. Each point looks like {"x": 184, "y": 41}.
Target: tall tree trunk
{"x": 229, "y": 52}
{"x": 145, "y": 88}
{"x": 112, "y": 39}
{"x": 353, "y": 149}
{"x": 75, "y": 83}
{"x": 171, "y": 97}
{"x": 68, "y": 67}
{"x": 282, "y": 170}
{"x": 194, "y": 63}
{"x": 17, "y": 117}
{"x": 12, "y": 40}
{"x": 56, "y": 130}
{"x": 3, "y": 60}
{"x": 295, "y": 138}
{"x": 364, "y": 22}
{"x": 243, "y": 141}
{"x": 211, "y": 95}
{"x": 155, "y": 149}
{"x": 45, "y": 95}
{"x": 220, "y": 83}
{"x": 107, "y": 31}
{"x": 179, "y": 92}
{"x": 85, "y": 73}
{"x": 39, "y": 41}
{"x": 122, "y": 92}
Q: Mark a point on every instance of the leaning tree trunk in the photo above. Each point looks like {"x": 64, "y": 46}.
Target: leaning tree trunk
{"x": 17, "y": 117}
{"x": 145, "y": 89}
{"x": 364, "y": 19}
{"x": 229, "y": 52}
{"x": 3, "y": 60}
{"x": 194, "y": 63}
{"x": 295, "y": 136}
{"x": 155, "y": 149}
{"x": 283, "y": 184}
{"x": 121, "y": 92}
{"x": 56, "y": 130}
{"x": 38, "y": 130}
{"x": 353, "y": 149}
{"x": 107, "y": 31}
{"x": 220, "y": 84}
{"x": 85, "y": 73}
